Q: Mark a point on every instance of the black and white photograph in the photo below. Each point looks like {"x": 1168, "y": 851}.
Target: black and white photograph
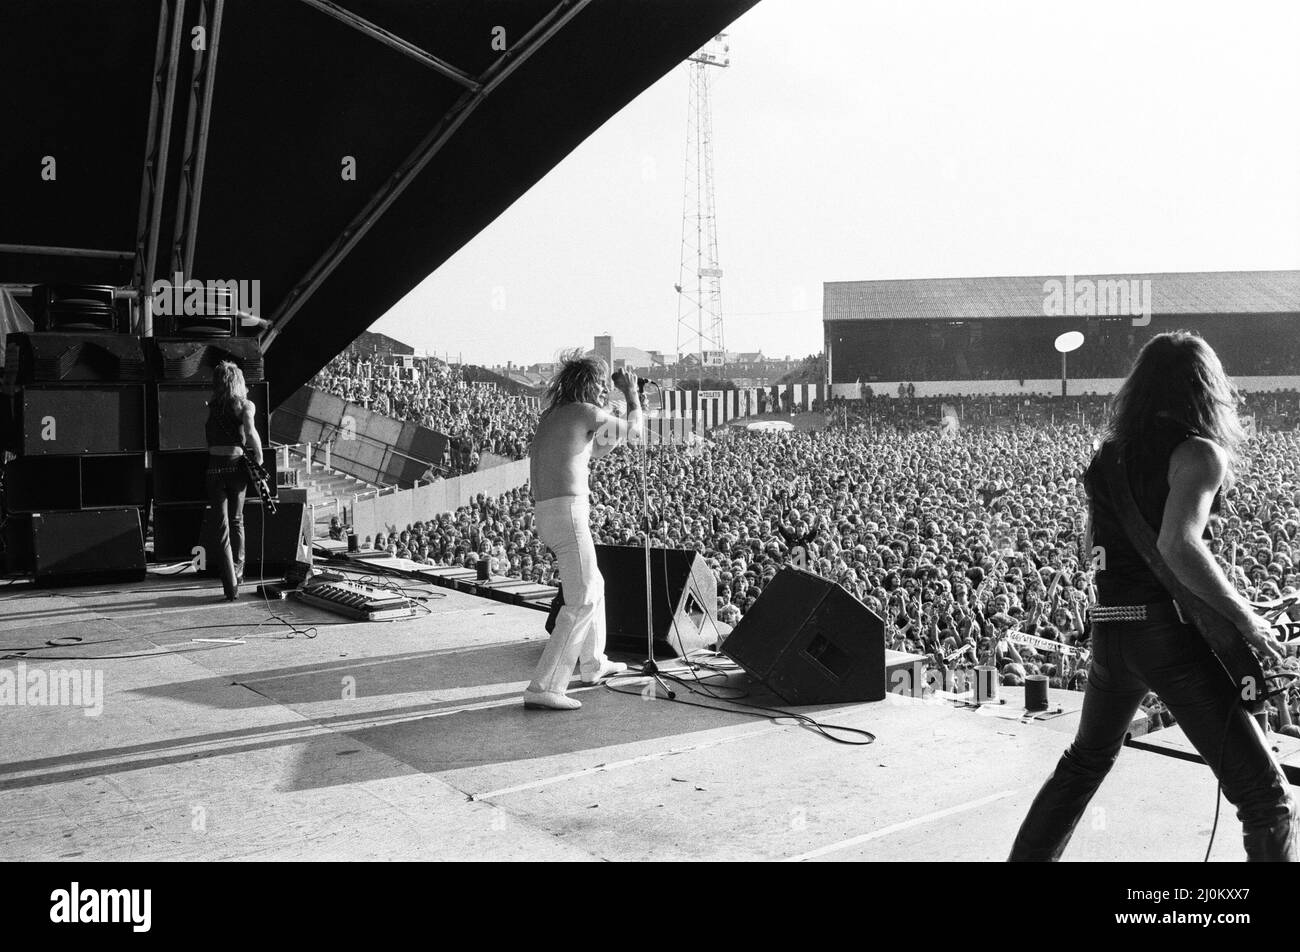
{"x": 650, "y": 431}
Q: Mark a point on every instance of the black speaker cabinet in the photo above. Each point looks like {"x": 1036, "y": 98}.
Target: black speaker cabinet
{"x": 77, "y": 421}
{"x": 179, "y": 529}
{"x": 17, "y": 534}
{"x": 93, "y": 545}
{"x": 34, "y": 484}
{"x": 180, "y": 477}
{"x": 811, "y": 642}
{"x": 273, "y": 542}
{"x": 38, "y": 483}
{"x": 192, "y": 361}
{"x": 684, "y": 609}
{"x": 178, "y": 415}
{"x": 75, "y": 308}
{"x": 37, "y": 358}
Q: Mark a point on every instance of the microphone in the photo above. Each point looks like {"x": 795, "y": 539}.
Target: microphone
{"x": 641, "y": 382}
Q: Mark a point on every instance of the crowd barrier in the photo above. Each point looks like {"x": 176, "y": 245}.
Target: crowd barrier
{"x": 389, "y": 511}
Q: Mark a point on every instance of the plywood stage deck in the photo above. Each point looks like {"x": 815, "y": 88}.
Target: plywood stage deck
{"x": 407, "y": 740}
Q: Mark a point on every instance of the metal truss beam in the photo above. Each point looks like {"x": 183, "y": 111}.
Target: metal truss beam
{"x": 158, "y": 139}
{"x": 393, "y": 41}
{"x": 66, "y": 252}
{"x": 501, "y": 70}
{"x": 194, "y": 153}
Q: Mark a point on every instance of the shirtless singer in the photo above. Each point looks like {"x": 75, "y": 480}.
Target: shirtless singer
{"x": 574, "y": 427}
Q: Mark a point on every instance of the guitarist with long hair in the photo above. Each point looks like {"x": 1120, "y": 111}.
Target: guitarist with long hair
{"x": 1170, "y": 449}
{"x": 231, "y": 433}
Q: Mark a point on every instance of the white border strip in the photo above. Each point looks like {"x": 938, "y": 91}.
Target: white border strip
{"x": 897, "y": 827}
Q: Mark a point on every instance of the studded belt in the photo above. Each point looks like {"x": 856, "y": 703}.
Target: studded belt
{"x": 1156, "y": 612}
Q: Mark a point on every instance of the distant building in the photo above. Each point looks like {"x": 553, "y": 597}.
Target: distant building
{"x": 372, "y": 344}
{"x": 604, "y": 349}
{"x": 988, "y": 333}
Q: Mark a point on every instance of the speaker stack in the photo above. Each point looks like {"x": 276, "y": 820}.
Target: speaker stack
{"x": 181, "y": 383}
{"x": 75, "y": 493}
{"x": 84, "y": 405}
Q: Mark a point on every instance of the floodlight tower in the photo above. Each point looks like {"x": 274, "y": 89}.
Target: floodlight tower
{"x": 699, "y": 282}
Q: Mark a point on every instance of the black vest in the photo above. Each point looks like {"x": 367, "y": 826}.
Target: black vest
{"x": 1125, "y": 579}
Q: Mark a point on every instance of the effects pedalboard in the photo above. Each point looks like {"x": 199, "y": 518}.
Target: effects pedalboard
{"x": 355, "y": 600}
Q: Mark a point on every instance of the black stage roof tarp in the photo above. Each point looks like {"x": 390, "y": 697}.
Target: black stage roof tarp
{"x": 295, "y": 91}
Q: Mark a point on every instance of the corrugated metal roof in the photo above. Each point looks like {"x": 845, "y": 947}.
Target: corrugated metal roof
{"x": 1192, "y": 292}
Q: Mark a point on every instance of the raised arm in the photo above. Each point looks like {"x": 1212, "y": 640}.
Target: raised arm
{"x": 609, "y": 430}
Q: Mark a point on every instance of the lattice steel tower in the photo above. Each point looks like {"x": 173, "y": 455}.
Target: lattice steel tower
{"x": 699, "y": 282}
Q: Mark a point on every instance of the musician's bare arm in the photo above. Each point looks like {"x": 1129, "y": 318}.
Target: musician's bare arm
{"x": 608, "y": 430}
{"x": 248, "y": 426}
{"x": 1196, "y": 471}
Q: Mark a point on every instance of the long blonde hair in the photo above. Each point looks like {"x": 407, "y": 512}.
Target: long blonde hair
{"x": 579, "y": 380}
{"x": 229, "y": 391}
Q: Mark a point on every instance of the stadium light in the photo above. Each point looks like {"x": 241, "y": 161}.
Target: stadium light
{"x": 1070, "y": 340}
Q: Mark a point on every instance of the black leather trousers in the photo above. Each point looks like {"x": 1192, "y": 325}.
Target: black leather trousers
{"x": 1172, "y": 660}
{"x": 227, "y": 483}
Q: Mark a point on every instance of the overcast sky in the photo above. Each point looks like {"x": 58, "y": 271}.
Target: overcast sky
{"x": 857, "y": 139}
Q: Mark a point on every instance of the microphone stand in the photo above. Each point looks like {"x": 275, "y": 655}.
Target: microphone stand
{"x": 649, "y": 668}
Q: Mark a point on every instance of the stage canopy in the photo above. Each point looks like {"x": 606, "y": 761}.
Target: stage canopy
{"x": 448, "y": 110}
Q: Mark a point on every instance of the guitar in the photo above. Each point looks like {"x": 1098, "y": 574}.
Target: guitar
{"x": 257, "y": 475}
{"x": 261, "y": 481}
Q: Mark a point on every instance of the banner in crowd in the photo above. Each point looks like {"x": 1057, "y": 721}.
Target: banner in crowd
{"x": 1040, "y": 644}
{"x": 949, "y": 421}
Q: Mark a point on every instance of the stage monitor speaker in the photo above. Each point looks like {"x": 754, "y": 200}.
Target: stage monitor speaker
{"x": 811, "y": 642}
{"x": 284, "y": 535}
{"x": 93, "y": 545}
{"x": 684, "y": 606}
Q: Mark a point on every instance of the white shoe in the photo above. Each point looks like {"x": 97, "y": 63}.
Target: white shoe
{"x": 550, "y": 701}
{"x": 607, "y": 670}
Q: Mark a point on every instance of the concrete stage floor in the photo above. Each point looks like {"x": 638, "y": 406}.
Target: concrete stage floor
{"x": 406, "y": 740}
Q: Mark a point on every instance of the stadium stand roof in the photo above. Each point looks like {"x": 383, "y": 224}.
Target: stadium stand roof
{"x": 446, "y": 132}
{"x": 1173, "y": 293}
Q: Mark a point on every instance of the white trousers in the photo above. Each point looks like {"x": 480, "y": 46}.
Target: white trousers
{"x": 564, "y": 524}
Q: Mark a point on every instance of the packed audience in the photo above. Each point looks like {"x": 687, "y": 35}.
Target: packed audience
{"x": 477, "y": 417}
{"x": 964, "y": 545}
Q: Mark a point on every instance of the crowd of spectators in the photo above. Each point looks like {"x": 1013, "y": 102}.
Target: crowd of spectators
{"x": 962, "y": 544}
{"x": 477, "y": 417}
